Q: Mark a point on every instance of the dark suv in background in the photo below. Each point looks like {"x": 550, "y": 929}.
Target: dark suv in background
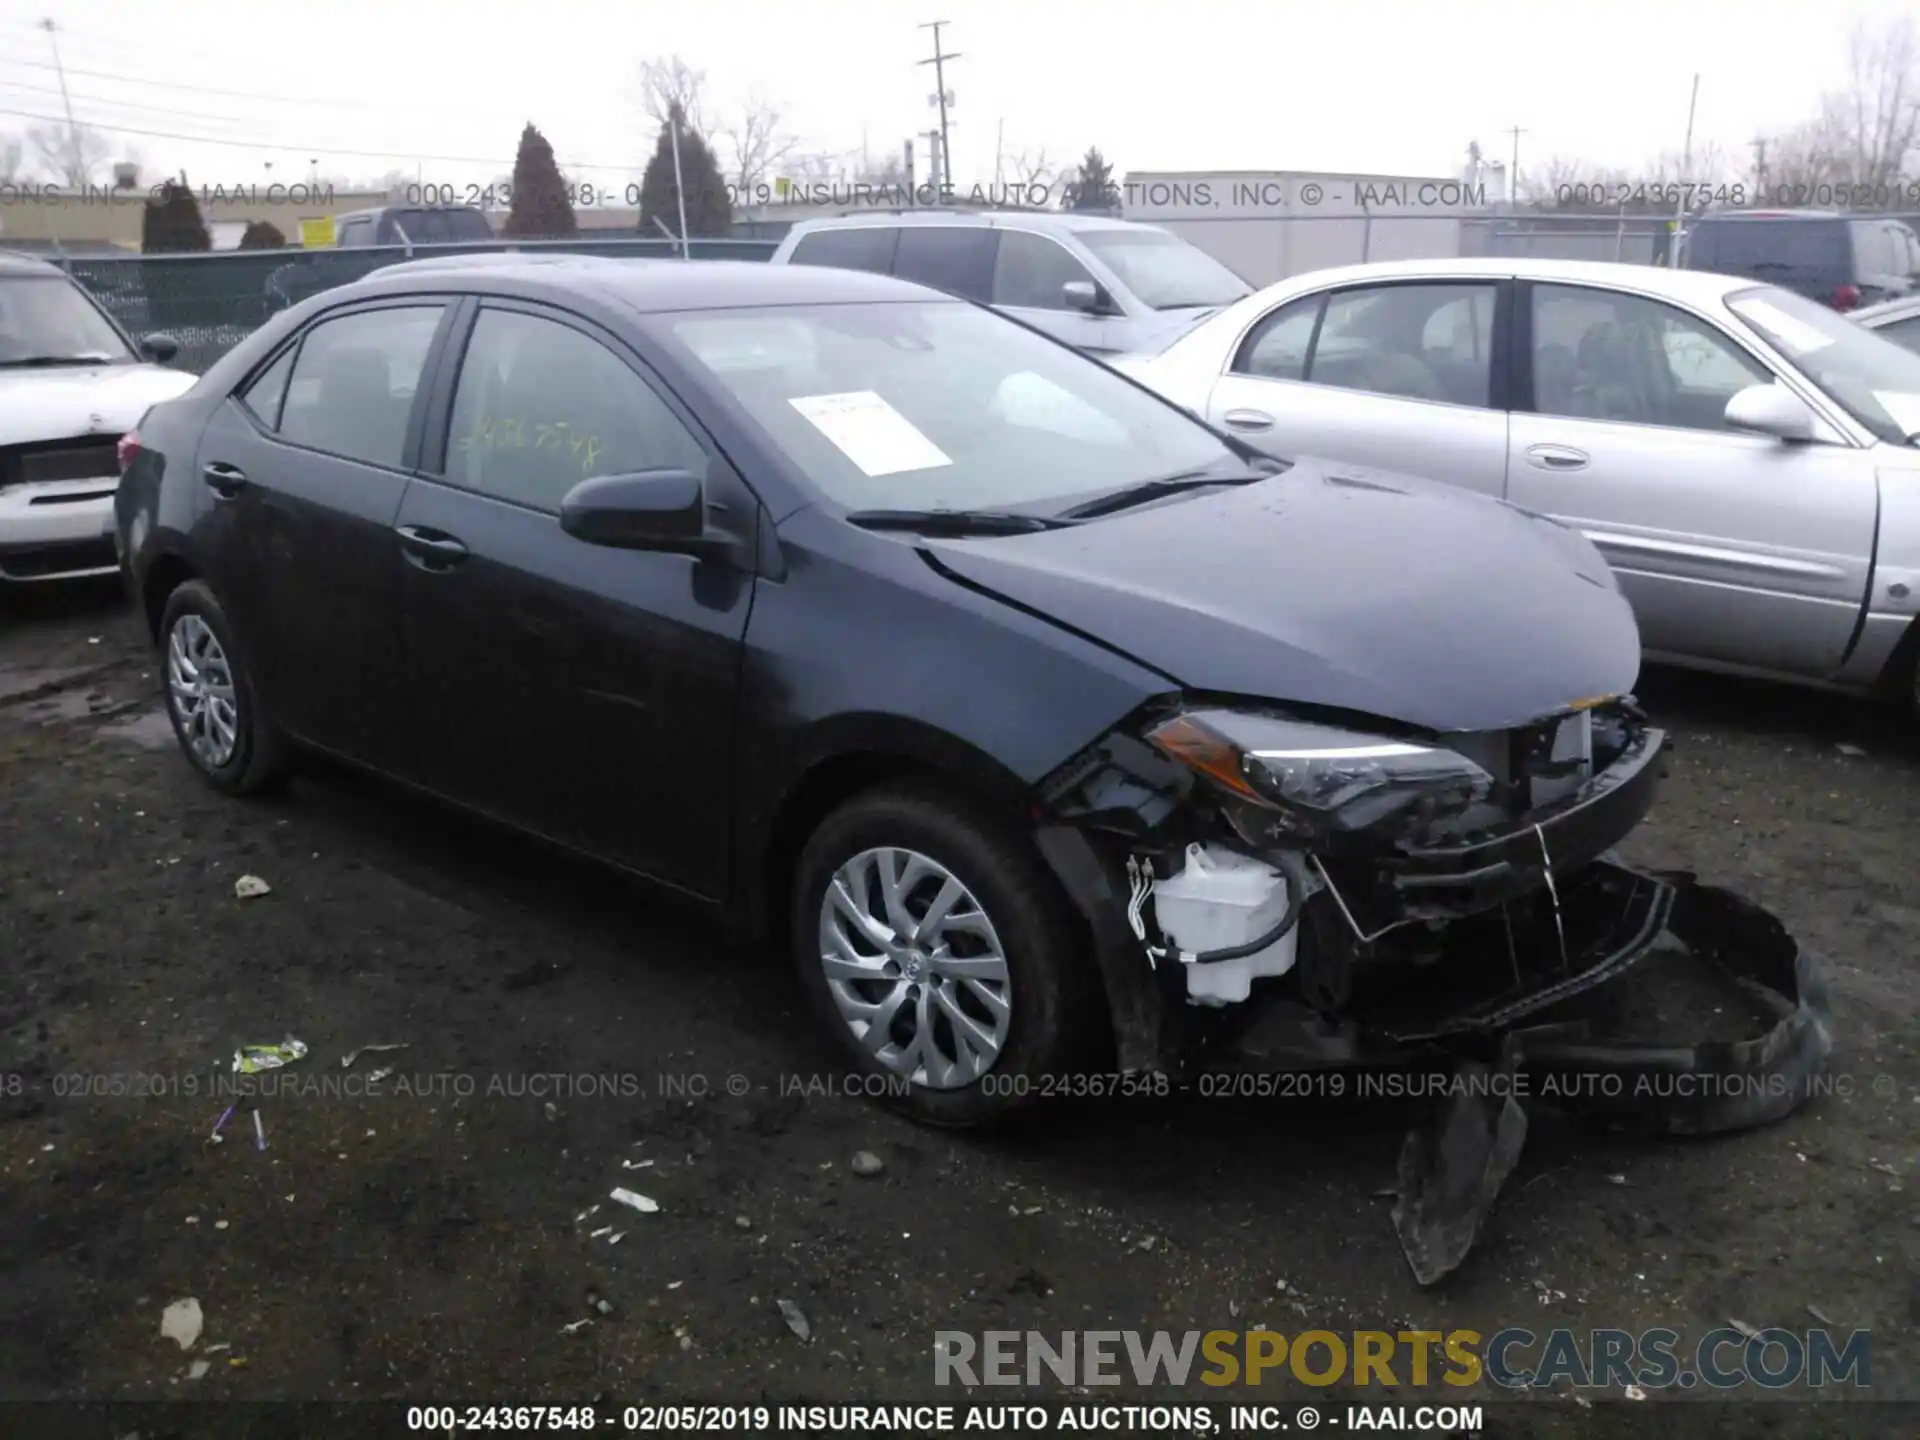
{"x": 389, "y": 226}
{"x": 1840, "y": 260}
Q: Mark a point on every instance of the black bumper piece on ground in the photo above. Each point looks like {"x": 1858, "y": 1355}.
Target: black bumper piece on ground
{"x": 1453, "y": 1165}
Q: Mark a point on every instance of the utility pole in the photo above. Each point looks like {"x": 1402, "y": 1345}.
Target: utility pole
{"x": 936, "y": 164}
{"x": 1513, "y": 173}
{"x": 1678, "y": 249}
{"x": 943, "y": 170}
{"x": 74, "y": 156}
{"x": 1759, "y": 166}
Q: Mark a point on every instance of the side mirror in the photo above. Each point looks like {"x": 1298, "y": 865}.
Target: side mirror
{"x": 1086, "y": 296}
{"x": 160, "y": 348}
{"x": 650, "y": 510}
{"x": 1770, "y": 410}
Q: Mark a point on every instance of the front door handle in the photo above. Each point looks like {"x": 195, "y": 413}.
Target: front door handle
{"x": 226, "y": 481}
{"x": 1248, "y": 420}
{"x": 1557, "y": 457}
{"x": 432, "y": 550}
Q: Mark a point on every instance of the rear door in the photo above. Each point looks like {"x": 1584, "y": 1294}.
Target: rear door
{"x": 1410, "y": 375}
{"x": 955, "y": 258}
{"x": 1732, "y": 547}
{"x": 305, "y": 466}
{"x": 581, "y": 691}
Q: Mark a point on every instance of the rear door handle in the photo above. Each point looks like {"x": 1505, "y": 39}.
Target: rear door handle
{"x": 1248, "y": 420}
{"x": 430, "y": 549}
{"x": 226, "y": 481}
{"x": 1557, "y": 457}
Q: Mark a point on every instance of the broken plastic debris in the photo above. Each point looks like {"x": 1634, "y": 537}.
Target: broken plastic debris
{"x": 181, "y": 1322}
{"x": 675, "y": 1284}
{"x": 636, "y": 1164}
{"x": 1745, "y": 1329}
{"x": 374, "y": 1077}
{"x": 1634, "y": 1392}
{"x": 198, "y": 1369}
{"x": 865, "y": 1162}
{"x": 219, "y": 1124}
{"x": 637, "y": 1201}
{"x": 585, "y": 1213}
{"x": 576, "y": 1325}
{"x": 247, "y": 887}
{"x": 259, "y": 1132}
{"x": 603, "y": 1230}
{"x": 1846, "y": 749}
{"x": 252, "y": 1059}
{"x": 616, "y": 1237}
{"x": 346, "y": 1060}
{"x": 796, "y": 1321}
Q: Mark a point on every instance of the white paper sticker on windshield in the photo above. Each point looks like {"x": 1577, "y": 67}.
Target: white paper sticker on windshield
{"x": 870, "y": 432}
{"x": 1904, "y": 409}
{"x": 1796, "y": 335}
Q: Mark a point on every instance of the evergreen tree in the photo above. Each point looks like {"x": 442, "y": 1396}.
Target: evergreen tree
{"x": 172, "y": 221}
{"x": 262, "y": 235}
{"x": 541, "y": 208}
{"x": 709, "y": 207}
{"x": 1092, "y": 188}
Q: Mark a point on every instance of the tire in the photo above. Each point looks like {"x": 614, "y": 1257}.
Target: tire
{"x": 257, "y": 758}
{"x": 1051, "y": 1004}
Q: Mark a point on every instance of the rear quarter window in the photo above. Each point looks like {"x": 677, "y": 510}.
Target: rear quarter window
{"x": 1766, "y": 249}
{"x": 863, "y": 247}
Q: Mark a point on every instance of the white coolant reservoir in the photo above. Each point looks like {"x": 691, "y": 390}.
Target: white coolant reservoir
{"x": 1221, "y": 899}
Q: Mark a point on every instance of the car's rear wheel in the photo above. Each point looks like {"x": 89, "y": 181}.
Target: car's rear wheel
{"x": 940, "y": 956}
{"x": 211, "y": 697}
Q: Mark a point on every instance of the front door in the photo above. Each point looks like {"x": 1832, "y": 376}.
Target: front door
{"x": 583, "y": 692}
{"x": 1405, "y": 376}
{"x": 1733, "y": 548}
{"x": 1030, "y": 278}
{"x": 304, "y": 468}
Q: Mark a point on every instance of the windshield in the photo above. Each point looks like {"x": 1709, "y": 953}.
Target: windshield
{"x": 49, "y": 318}
{"x": 941, "y": 406}
{"x": 1164, "y": 270}
{"x": 1874, "y": 380}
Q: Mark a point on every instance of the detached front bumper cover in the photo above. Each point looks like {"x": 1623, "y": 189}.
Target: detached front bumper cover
{"x": 1453, "y": 1165}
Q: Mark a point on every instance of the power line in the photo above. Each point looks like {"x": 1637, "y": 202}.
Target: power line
{"x": 329, "y": 150}
{"x": 332, "y": 102}
{"x": 124, "y": 104}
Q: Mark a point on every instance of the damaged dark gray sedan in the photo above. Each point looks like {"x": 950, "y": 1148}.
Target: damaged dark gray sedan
{"x": 1057, "y": 734}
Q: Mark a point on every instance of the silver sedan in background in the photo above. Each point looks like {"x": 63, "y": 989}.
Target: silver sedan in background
{"x": 1895, "y": 320}
{"x": 1743, "y": 457}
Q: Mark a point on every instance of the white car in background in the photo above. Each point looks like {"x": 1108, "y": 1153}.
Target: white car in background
{"x": 71, "y": 384}
{"x": 1741, "y": 455}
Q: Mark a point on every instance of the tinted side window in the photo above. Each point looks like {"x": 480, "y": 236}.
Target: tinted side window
{"x": 540, "y": 407}
{"x": 1418, "y": 342}
{"x": 268, "y": 389}
{"x": 955, "y": 258}
{"x": 1277, "y": 348}
{"x": 863, "y": 247}
{"x": 1033, "y": 271}
{"x": 355, "y": 232}
{"x": 1601, "y": 355}
{"x": 353, "y": 384}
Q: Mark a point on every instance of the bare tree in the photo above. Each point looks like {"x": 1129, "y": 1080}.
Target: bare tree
{"x": 760, "y": 143}
{"x": 74, "y": 154}
{"x": 11, "y": 158}
{"x": 669, "y": 82}
{"x": 1875, "y": 122}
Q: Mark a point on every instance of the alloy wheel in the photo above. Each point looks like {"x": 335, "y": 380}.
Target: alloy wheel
{"x": 915, "y": 967}
{"x": 200, "y": 691}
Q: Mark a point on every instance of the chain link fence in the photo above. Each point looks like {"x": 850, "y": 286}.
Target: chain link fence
{"x": 210, "y": 302}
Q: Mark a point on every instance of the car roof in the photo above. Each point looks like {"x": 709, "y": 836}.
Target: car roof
{"x": 1896, "y": 309}
{"x": 656, "y": 285}
{"x": 1796, "y": 217}
{"x": 1696, "y": 286}
{"x": 12, "y": 262}
{"x": 1045, "y": 222}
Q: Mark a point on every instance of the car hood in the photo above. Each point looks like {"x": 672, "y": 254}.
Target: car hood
{"x": 63, "y": 402}
{"x": 1334, "y": 586}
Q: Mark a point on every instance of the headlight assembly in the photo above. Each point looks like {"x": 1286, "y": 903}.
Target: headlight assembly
{"x": 1288, "y": 782}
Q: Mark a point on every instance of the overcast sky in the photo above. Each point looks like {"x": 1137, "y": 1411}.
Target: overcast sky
{"x": 1368, "y": 85}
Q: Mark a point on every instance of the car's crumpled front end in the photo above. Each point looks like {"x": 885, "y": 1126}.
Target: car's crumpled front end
{"x": 1273, "y": 889}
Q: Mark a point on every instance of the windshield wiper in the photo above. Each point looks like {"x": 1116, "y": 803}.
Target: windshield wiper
{"x": 955, "y": 522}
{"x": 37, "y": 362}
{"x": 1146, "y": 490}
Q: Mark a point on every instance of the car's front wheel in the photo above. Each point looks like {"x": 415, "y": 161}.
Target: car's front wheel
{"x": 211, "y": 697}
{"x": 939, "y": 954}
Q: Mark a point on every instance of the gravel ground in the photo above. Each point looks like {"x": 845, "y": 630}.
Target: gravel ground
{"x": 432, "y": 1236}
